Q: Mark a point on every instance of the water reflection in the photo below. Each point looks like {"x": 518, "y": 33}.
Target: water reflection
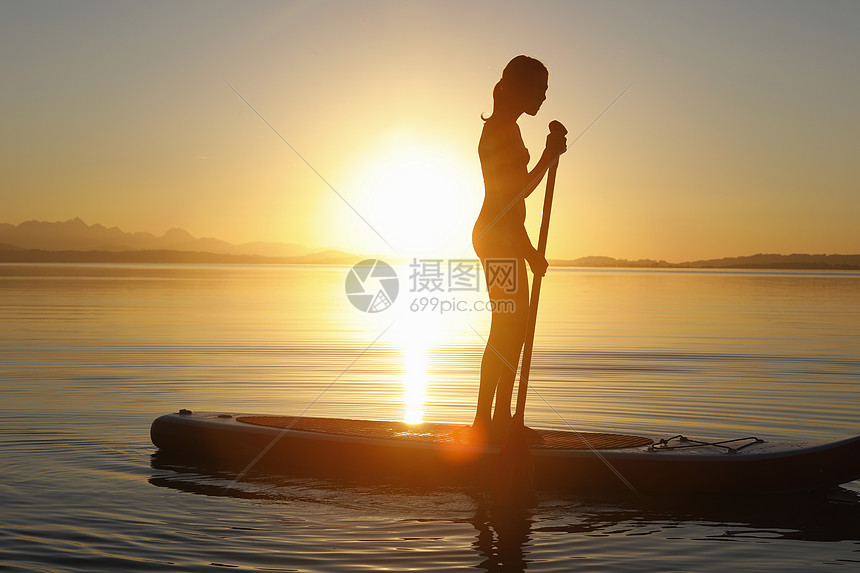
{"x": 413, "y": 350}
{"x": 417, "y": 335}
{"x": 502, "y": 538}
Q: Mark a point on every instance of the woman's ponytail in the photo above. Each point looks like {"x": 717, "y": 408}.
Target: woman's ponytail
{"x": 497, "y": 97}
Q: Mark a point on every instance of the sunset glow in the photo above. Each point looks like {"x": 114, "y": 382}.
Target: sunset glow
{"x": 736, "y": 137}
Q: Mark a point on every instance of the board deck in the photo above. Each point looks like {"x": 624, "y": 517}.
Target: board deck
{"x": 436, "y": 452}
{"x": 440, "y": 433}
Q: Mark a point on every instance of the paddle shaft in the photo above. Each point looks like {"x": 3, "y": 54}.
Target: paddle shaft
{"x": 522, "y": 390}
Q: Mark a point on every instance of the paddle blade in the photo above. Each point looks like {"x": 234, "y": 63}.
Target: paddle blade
{"x": 514, "y": 480}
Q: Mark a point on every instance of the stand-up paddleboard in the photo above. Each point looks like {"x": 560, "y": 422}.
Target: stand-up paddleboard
{"x": 573, "y": 461}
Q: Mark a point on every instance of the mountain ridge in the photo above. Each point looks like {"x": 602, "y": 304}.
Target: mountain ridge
{"x": 76, "y": 235}
{"x": 797, "y": 261}
{"x": 328, "y": 257}
{"x": 75, "y": 241}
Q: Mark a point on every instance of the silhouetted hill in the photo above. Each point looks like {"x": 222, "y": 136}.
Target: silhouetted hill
{"x": 76, "y": 242}
{"x": 76, "y": 235}
{"x": 760, "y": 261}
{"x": 167, "y": 256}
{"x": 773, "y": 261}
{"x": 609, "y": 262}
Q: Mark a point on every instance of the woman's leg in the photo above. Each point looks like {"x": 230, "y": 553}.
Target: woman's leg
{"x": 490, "y": 365}
{"x": 504, "y": 345}
{"x": 496, "y": 357}
{"x": 496, "y": 361}
{"x": 513, "y": 319}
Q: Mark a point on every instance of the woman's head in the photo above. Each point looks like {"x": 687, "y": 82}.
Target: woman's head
{"x": 522, "y": 87}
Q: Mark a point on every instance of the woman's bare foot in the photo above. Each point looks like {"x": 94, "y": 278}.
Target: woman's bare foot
{"x": 500, "y": 432}
{"x": 480, "y": 432}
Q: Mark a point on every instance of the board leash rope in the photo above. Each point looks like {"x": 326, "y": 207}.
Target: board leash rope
{"x": 685, "y": 442}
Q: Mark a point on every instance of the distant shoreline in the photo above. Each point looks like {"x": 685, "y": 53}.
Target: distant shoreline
{"x": 753, "y": 262}
{"x": 168, "y": 257}
{"x": 74, "y": 241}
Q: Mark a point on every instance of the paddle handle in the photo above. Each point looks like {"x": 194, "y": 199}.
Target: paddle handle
{"x": 522, "y": 390}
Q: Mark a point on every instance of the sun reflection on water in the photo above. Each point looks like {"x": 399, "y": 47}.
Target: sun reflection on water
{"x": 414, "y": 383}
{"x": 417, "y": 337}
{"x": 414, "y": 347}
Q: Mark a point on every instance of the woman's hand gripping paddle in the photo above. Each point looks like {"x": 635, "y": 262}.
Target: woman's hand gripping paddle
{"x": 515, "y": 475}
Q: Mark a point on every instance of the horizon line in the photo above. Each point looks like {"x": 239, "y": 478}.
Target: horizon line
{"x": 315, "y": 250}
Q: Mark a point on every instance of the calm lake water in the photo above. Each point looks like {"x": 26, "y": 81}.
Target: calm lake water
{"x": 91, "y": 354}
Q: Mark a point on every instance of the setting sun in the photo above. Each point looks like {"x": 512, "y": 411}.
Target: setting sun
{"x": 418, "y": 195}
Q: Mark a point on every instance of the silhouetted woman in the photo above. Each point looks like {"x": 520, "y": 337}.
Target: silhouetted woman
{"x": 500, "y": 237}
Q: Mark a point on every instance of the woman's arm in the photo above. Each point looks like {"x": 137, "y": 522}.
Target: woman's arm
{"x": 505, "y": 162}
{"x": 555, "y": 146}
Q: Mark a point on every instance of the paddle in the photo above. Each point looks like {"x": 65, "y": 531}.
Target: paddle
{"x": 515, "y": 477}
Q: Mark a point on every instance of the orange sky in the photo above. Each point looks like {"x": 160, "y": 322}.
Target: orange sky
{"x": 738, "y": 135}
